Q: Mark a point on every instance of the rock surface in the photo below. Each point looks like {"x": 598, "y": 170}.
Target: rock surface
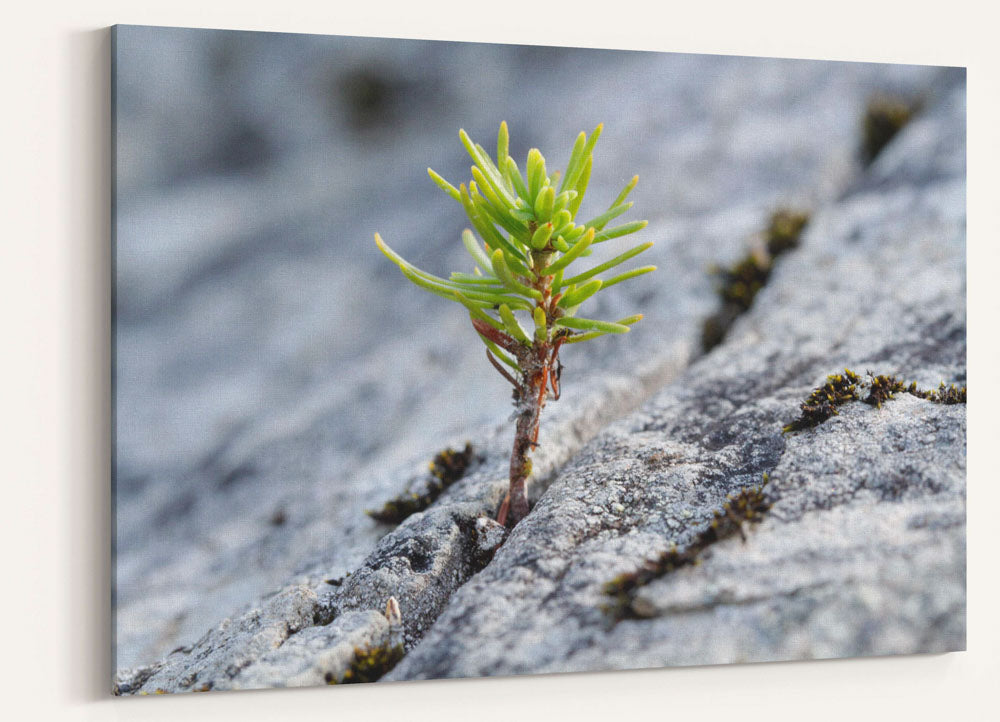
{"x": 265, "y": 460}
{"x": 863, "y": 550}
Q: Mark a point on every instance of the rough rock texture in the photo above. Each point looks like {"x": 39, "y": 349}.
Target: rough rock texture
{"x": 863, "y": 549}
{"x": 229, "y": 648}
{"x": 244, "y": 469}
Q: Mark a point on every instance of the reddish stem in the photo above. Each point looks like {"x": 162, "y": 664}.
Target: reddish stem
{"x": 532, "y": 395}
{"x": 539, "y": 363}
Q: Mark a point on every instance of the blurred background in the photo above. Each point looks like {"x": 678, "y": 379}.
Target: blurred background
{"x": 275, "y": 375}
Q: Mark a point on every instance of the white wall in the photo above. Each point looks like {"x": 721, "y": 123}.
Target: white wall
{"x": 54, "y": 640}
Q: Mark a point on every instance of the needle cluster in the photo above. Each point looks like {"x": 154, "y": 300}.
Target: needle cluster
{"x": 523, "y": 290}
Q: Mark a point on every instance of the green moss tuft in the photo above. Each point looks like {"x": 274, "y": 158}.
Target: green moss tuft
{"x": 783, "y": 233}
{"x": 449, "y": 466}
{"x": 445, "y": 469}
{"x": 746, "y": 507}
{"x": 882, "y": 388}
{"x": 369, "y": 664}
{"x": 884, "y": 117}
{"x": 946, "y": 395}
{"x": 822, "y": 403}
{"x": 841, "y": 388}
{"x": 739, "y": 284}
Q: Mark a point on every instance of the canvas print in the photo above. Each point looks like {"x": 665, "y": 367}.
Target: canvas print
{"x": 443, "y": 359}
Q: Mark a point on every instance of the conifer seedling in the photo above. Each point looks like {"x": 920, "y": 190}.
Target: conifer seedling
{"x": 521, "y": 293}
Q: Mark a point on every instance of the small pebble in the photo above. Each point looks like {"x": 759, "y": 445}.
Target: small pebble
{"x": 489, "y": 534}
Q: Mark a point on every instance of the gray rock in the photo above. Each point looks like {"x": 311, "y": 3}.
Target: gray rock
{"x": 489, "y": 535}
{"x": 323, "y": 654}
{"x": 224, "y": 652}
{"x": 317, "y": 655}
{"x": 242, "y": 470}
